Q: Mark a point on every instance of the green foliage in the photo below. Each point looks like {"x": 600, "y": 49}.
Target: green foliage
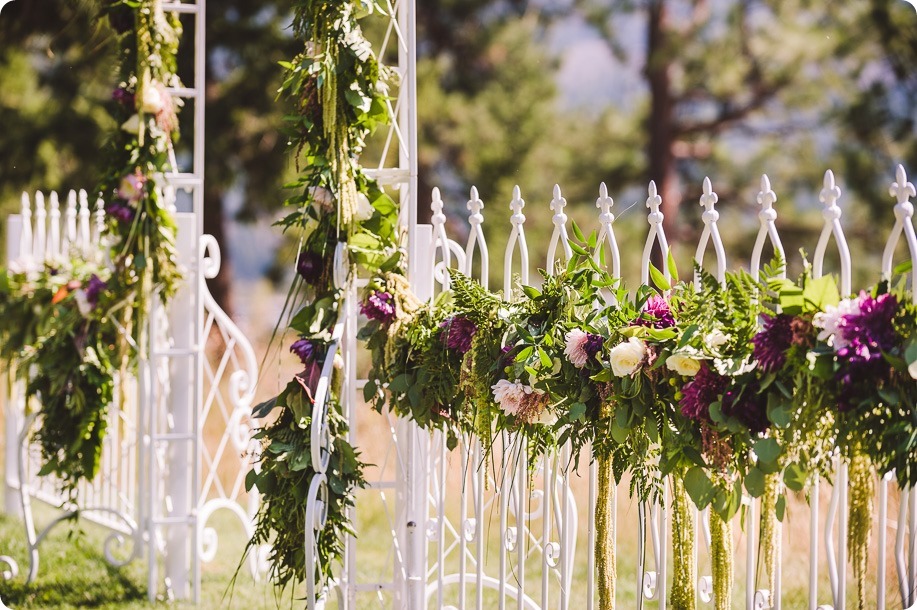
{"x": 66, "y": 352}
{"x": 283, "y": 480}
{"x": 65, "y": 323}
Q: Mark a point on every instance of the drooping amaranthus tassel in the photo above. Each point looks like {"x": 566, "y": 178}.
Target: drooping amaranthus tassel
{"x": 683, "y": 539}
{"x": 721, "y": 555}
{"x": 605, "y": 558}
{"x": 861, "y": 490}
{"x": 770, "y": 533}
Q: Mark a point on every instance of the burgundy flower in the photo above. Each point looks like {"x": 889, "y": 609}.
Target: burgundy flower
{"x": 772, "y": 343}
{"x": 656, "y": 313}
{"x": 593, "y": 344}
{"x": 749, "y": 407}
{"x": 120, "y": 211}
{"x": 123, "y": 97}
{"x": 703, "y": 390}
{"x": 379, "y": 306}
{"x": 310, "y": 267}
{"x": 803, "y": 332}
{"x": 94, "y": 289}
{"x": 304, "y": 349}
{"x": 457, "y": 333}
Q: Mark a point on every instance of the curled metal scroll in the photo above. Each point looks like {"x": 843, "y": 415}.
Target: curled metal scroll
{"x": 12, "y": 568}
{"x": 316, "y": 516}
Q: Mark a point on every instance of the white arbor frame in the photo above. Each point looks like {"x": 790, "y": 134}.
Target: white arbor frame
{"x": 161, "y": 480}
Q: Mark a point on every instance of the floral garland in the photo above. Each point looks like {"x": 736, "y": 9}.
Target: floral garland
{"x": 69, "y": 325}
{"x": 337, "y": 86}
{"x": 721, "y": 389}
{"x": 714, "y": 390}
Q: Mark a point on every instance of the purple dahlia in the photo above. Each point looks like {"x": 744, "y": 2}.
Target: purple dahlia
{"x": 457, "y": 333}
{"x": 699, "y": 393}
{"x": 379, "y": 306}
{"x": 94, "y": 289}
{"x": 749, "y": 407}
{"x": 773, "y": 341}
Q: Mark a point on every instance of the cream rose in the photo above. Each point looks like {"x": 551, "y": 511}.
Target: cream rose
{"x": 683, "y": 364}
{"x": 912, "y": 369}
{"x": 625, "y": 358}
{"x": 364, "y": 209}
{"x": 152, "y": 101}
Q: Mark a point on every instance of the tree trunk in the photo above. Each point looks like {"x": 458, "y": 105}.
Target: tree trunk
{"x": 661, "y": 120}
{"x": 214, "y": 224}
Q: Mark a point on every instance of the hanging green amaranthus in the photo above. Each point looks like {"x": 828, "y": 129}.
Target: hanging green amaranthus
{"x": 683, "y": 595}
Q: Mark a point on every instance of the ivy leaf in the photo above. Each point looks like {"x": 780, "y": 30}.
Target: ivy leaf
{"x": 544, "y": 358}
{"x": 778, "y": 410}
{"x": 767, "y": 449}
{"x": 754, "y": 483}
{"x": 262, "y": 409}
{"x": 659, "y": 279}
{"x": 369, "y": 390}
{"x": 670, "y": 265}
{"x": 795, "y": 477}
{"x": 781, "y": 507}
{"x": 821, "y": 292}
{"x": 577, "y": 410}
{"x": 699, "y": 487}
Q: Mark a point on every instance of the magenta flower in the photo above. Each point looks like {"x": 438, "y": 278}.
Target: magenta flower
{"x": 133, "y": 186}
{"x": 866, "y": 334}
{"x": 304, "y": 349}
{"x": 773, "y": 341}
{"x": 702, "y": 391}
{"x": 380, "y": 306}
{"x": 656, "y": 313}
{"x": 457, "y": 333}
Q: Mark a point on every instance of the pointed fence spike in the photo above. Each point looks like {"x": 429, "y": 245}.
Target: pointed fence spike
{"x": 901, "y": 189}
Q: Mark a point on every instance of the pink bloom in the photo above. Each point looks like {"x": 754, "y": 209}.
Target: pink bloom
{"x": 575, "y": 349}
{"x": 132, "y": 187}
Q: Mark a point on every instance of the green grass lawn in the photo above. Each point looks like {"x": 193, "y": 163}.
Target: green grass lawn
{"x": 74, "y": 574}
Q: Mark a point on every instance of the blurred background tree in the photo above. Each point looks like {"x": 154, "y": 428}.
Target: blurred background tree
{"x": 528, "y": 92}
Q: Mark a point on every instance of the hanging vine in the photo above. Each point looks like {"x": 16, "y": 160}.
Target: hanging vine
{"x": 70, "y": 324}
{"x": 346, "y": 225}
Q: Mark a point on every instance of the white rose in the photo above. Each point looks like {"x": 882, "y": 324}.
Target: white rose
{"x": 625, "y": 358}
{"x": 152, "y": 100}
{"x": 683, "y": 364}
{"x": 364, "y": 209}
{"x": 716, "y": 339}
{"x": 912, "y": 369}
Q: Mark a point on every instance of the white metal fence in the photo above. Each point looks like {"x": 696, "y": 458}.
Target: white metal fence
{"x": 465, "y": 536}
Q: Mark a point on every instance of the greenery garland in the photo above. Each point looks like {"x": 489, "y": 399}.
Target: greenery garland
{"x": 67, "y": 327}
{"x": 727, "y": 388}
{"x": 336, "y": 86}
